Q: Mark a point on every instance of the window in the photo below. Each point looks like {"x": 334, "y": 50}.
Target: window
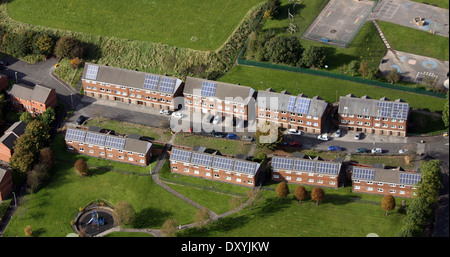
{"x": 311, "y": 180}
{"x": 81, "y": 149}
{"x": 121, "y": 157}
{"x": 186, "y": 170}
{"x": 196, "y": 172}
{"x": 392, "y": 191}
{"x": 142, "y": 161}
{"x": 91, "y": 151}
{"x": 288, "y": 177}
{"x": 380, "y": 189}
{"x": 357, "y": 187}
{"x": 370, "y": 189}
{"x": 102, "y": 153}
{"x": 239, "y": 180}
{"x": 298, "y": 179}
{"x": 70, "y": 147}
{"x": 274, "y": 176}
{"x": 208, "y": 174}
{"x": 130, "y": 159}
{"x": 110, "y": 155}
{"x": 175, "y": 168}
{"x": 228, "y": 178}
{"x": 216, "y": 175}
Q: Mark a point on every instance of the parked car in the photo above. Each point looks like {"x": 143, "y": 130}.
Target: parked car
{"x": 401, "y": 151}
{"x": 358, "y": 136}
{"x": 240, "y": 123}
{"x": 338, "y": 133}
{"x": 295, "y": 143}
{"x": 248, "y": 138}
{"x": 377, "y": 150}
{"x": 217, "y": 134}
{"x": 232, "y": 136}
{"x": 334, "y": 148}
{"x": 163, "y": 111}
{"x": 80, "y": 120}
{"x": 361, "y": 150}
{"x": 294, "y": 132}
{"x": 177, "y": 115}
{"x": 323, "y": 137}
{"x": 217, "y": 119}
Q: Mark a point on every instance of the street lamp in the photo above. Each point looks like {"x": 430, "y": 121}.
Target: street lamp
{"x": 15, "y": 200}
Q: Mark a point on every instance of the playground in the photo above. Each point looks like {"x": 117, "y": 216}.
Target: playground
{"x": 95, "y": 220}
{"x": 339, "y": 22}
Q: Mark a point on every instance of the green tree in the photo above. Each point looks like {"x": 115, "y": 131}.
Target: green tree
{"x": 25, "y": 150}
{"x": 125, "y": 213}
{"x": 445, "y": 113}
{"x": 15, "y": 44}
{"x": 38, "y": 130}
{"x": 268, "y": 135}
{"x": 170, "y": 227}
{"x": 284, "y": 50}
{"x": 44, "y": 44}
{"x": 68, "y": 47}
{"x": 418, "y": 213}
{"x": 388, "y": 203}
{"x": 363, "y": 69}
{"x": 201, "y": 218}
{"x": 431, "y": 182}
{"x": 48, "y": 116}
{"x": 300, "y": 193}
{"x": 393, "y": 76}
{"x": 26, "y": 117}
{"x": 317, "y": 194}
{"x": 313, "y": 57}
{"x": 271, "y": 7}
{"x": 282, "y": 190}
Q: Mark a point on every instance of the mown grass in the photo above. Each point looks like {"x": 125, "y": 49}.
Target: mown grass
{"x": 66, "y": 72}
{"x": 326, "y": 88}
{"x": 224, "y": 145}
{"x": 202, "y": 25}
{"x": 440, "y": 3}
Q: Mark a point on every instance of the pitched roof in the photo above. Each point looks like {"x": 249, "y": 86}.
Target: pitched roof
{"x": 223, "y": 91}
{"x": 281, "y": 101}
{"x": 397, "y": 176}
{"x": 366, "y": 106}
{"x": 129, "y": 78}
{"x": 12, "y": 133}
{"x": 37, "y": 93}
{"x": 316, "y": 165}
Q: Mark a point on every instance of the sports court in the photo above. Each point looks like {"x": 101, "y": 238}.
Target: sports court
{"x": 339, "y": 22}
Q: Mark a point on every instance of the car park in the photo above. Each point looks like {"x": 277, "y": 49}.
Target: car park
{"x": 164, "y": 111}
{"x": 232, "y": 136}
{"x": 361, "y": 150}
{"x": 377, "y": 150}
{"x": 294, "y": 132}
{"x": 177, "y": 115}
{"x": 323, "y": 137}
{"x": 334, "y": 148}
{"x": 81, "y": 120}
{"x": 338, "y": 133}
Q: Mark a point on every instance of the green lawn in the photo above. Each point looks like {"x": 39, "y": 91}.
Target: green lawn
{"x": 227, "y": 146}
{"x": 200, "y": 24}
{"x": 415, "y": 41}
{"x": 439, "y": 3}
{"x": 326, "y": 88}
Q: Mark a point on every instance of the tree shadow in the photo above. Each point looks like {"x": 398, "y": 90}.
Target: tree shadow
{"x": 226, "y": 224}
{"x": 150, "y": 217}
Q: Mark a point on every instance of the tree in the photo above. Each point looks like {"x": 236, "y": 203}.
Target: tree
{"x": 418, "y": 213}
{"x": 271, "y": 8}
{"x": 313, "y": 57}
{"x": 363, "y": 69}
{"x": 201, "y": 218}
{"x": 431, "y": 182}
{"x": 68, "y": 47}
{"x": 393, "y": 76}
{"x": 253, "y": 197}
{"x": 28, "y": 230}
{"x": 284, "y": 50}
{"x": 388, "y": 203}
{"x": 37, "y": 177}
{"x": 445, "y": 113}
{"x": 38, "y": 130}
{"x": 43, "y": 44}
{"x": 268, "y": 135}
{"x": 15, "y": 44}
{"x": 125, "y": 213}
{"x": 353, "y": 67}
{"x": 81, "y": 167}
{"x": 317, "y": 195}
{"x": 48, "y": 116}
{"x": 47, "y": 157}
{"x": 170, "y": 227}
{"x": 25, "y": 150}
{"x": 235, "y": 202}
{"x": 26, "y": 117}
{"x": 282, "y": 190}
{"x": 300, "y": 193}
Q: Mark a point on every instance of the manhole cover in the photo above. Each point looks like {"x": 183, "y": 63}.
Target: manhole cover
{"x": 333, "y": 31}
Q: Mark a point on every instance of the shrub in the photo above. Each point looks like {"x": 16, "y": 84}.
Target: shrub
{"x": 81, "y": 167}
{"x": 68, "y": 47}
{"x": 125, "y": 213}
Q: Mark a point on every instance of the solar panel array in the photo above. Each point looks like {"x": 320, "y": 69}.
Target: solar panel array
{"x": 202, "y": 159}
{"x": 303, "y": 165}
{"x": 208, "y": 88}
{"x": 303, "y": 105}
{"x": 386, "y": 109}
{"x": 76, "y": 135}
{"x": 94, "y": 138}
{"x": 409, "y": 179}
{"x": 364, "y": 174}
{"x": 328, "y": 168}
{"x": 151, "y": 82}
{"x": 92, "y": 71}
{"x": 282, "y": 163}
{"x": 167, "y": 85}
{"x": 245, "y": 167}
{"x": 180, "y": 155}
{"x": 115, "y": 142}
{"x": 223, "y": 163}
{"x": 291, "y": 104}
{"x": 400, "y": 111}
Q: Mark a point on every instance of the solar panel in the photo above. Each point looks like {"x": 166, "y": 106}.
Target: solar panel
{"x": 409, "y": 179}
{"x": 328, "y": 168}
{"x": 202, "y": 159}
{"x": 303, "y": 105}
{"x": 208, "y": 88}
{"x": 400, "y": 111}
{"x": 180, "y": 155}
{"x": 303, "y": 165}
{"x": 291, "y": 103}
{"x": 92, "y": 71}
{"x": 245, "y": 167}
{"x": 151, "y": 82}
{"x": 167, "y": 85}
{"x": 115, "y": 142}
{"x": 282, "y": 163}
{"x": 94, "y": 138}
{"x": 364, "y": 174}
{"x": 386, "y": 109}
{"x": 76, "y": 135}
{"x": 223, "y": 163}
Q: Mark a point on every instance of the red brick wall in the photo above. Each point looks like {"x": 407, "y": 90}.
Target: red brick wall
{"x": 371, "y": 128}
{"x": 6, "y": 185}
{"x": 305, "y": 178}
{"x": 215, "y": 107}
{"x": 5, "y": 153}
{"x": 386, "y": 187}
{"x": 3, "y": 82}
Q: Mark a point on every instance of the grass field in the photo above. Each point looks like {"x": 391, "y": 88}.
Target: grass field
{"x": 200, "y": 24}
{"x": 326, "y": 88}
{"x": 227, "y": 146}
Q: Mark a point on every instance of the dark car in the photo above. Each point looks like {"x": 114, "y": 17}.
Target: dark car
{"x": 248, "y": 138}
{"x": 361, "y": 150}
{"x": 217, "y": 134}
{"x": 334, "y": 148}
{"x": 232, "y": 136}
{"x": 80, "y": 120}
{"x": 295, "y": 143}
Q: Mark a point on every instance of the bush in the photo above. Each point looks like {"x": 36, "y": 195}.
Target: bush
{"x": 284, "y": 50}
{"x": 68, "y": 47}
{"x": 81, "y": 167}
{"x": 125, "y": 213}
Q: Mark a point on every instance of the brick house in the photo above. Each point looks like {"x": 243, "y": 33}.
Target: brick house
{"x": 6, "y": 183}
{"x": 34, "y": 100}
{"x": 214, "y": 166}
{"x": 130, "y": 86}
{"x": 95, "y": 142}
{"x": 372, "y": 116}
{"x": 296, "y": 112}
{"x": 3, "y": 82}
{"x": 299, "y": 170}
{"x": 7, "y": 141}
{"x": 378, "y": 180}
{"x": 218, "y": 98}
